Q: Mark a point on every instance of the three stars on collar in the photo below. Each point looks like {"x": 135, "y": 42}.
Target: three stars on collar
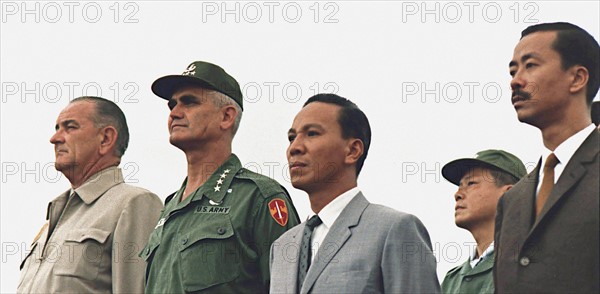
{"x": 220, "y": 180}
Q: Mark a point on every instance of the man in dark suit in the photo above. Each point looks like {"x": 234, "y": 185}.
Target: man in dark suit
{"x": 547, "y": 225}
{"x": 359, "y": 247}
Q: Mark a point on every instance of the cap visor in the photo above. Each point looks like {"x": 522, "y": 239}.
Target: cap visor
{"x": 166, "y": 86}
{"x": 455, "y": 170}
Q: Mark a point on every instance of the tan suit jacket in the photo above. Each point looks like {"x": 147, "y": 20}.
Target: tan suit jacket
{"x": 92, "y": 239}
{"x": 558, "y": 252}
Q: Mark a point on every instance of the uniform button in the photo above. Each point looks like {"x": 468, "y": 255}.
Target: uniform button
{"x": 524, "y": 261}
{"x": 147, "y": 251}
{"x": 184, "y": 241}
{"x": 221, "y": 231}
{"x": 468, "y": 279}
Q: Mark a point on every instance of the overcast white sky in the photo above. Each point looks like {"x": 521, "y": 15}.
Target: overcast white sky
{"x": 432, "y": 78}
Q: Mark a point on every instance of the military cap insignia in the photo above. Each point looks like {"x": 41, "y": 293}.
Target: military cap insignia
{"x": 190, "y": 70}
{"x": 279, "y": 211}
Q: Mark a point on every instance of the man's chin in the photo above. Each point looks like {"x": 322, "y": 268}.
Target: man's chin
{"x": 64, "y": 167}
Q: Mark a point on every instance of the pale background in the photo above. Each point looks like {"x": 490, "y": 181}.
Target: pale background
{"x": 434, "y": 90}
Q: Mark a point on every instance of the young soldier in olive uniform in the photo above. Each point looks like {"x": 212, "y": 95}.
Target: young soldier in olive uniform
{"x": 215, "y": 232}
{"x": 481, "y": 182}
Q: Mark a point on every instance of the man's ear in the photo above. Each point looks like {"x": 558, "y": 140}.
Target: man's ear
{"x": 229, "y": 113}
{"x": 355, "y": 150}
{"x": 505, "y": 188}
{"x": 580, "y": 78}
{"x": 108, "y": 140}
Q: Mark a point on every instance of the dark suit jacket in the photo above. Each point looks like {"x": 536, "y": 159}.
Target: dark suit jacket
{"x": 558, "y": 253}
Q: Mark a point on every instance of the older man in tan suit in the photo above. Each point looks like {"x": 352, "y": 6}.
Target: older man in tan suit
{"x": 96, "y": 229}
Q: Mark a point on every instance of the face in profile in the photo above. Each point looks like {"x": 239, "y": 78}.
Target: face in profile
{"x": 76, "y": 140}
{"x": 316, "y": 153}
{"x": 540, "y": 86}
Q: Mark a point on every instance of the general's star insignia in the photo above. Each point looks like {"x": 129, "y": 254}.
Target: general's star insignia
{"x": 220, "y": 181}
{"x": 217, "y": 188}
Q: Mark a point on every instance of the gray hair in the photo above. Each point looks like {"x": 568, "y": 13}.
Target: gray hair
{"x": 220, "y": 100}
{"x": 107, "y": 113}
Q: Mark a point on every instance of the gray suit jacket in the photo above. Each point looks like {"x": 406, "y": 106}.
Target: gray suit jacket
{"x": 558, "y": 253}
{"x": 369, "y": 249}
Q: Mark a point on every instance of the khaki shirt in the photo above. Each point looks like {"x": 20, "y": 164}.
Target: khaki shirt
{"x": 92, "y": 239}
{"x": 217, "y": 240}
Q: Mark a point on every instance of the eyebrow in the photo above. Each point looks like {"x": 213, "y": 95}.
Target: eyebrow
{"x": 523, "y": 59}
{"x": 65, "y": 123}
{"x": 306, "y": 127}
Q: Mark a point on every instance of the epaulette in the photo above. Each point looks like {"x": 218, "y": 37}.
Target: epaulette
{"x": 170, "y": 197}
{"x": 267, "y": 186}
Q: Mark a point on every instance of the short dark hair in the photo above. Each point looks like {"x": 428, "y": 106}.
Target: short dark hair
{"x": 352, "y": 120}
{"x": 502, "y": 178}
{"x": 596, "y": 112}
{"x": 575, "y": 47}
{"x": 107, "y": 113}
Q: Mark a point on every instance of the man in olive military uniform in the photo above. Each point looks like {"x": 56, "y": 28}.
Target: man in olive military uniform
{"x": 481, "y": 182}
{"x": 215, "y": 231}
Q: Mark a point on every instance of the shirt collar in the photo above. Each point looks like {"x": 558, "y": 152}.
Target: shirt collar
{"x": 474, "y": 259}
{"x": 99, "y": 183}
{"x": 217, "y": 185}
{"x": 332, "y": 210}
{"x": 566, "y": 149}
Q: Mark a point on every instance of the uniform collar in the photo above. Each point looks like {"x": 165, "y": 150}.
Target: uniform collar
{"x": 99, "y": 183}
{"x": 474, "y": 259}
{"x": 217, "y": 185}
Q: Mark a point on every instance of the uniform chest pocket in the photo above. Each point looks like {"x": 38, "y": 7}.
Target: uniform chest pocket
{"x": 210, "y": 254}
{"x": 83, "y": 253}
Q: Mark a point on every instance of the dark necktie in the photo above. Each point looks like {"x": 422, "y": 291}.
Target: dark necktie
{"x": 547, "y": 183}
{"x": 305, "y": 250}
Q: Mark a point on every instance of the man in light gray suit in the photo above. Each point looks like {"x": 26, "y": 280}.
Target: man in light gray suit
{"x": 350, "y": 245}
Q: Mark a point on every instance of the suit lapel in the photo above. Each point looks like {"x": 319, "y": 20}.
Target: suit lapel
{"x": 338, "y": 234}
{"x": 292, "y": 272}
{"x": 524, "y": 212}
{"x": 573, "y": 172}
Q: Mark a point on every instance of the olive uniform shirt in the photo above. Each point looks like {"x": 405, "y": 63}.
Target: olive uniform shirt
{"x": 465, "y": 279}
{"x": 92, "y": 239}
{"x": 217, "y": 239}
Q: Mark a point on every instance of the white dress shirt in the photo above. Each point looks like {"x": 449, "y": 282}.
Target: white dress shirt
{"x": 564, "y": 152}
{"x": 328, "y": 215}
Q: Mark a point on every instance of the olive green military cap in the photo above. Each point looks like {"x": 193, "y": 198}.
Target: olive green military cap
{"x": 202, "y": 74}
{"x": 491, "y": 159}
